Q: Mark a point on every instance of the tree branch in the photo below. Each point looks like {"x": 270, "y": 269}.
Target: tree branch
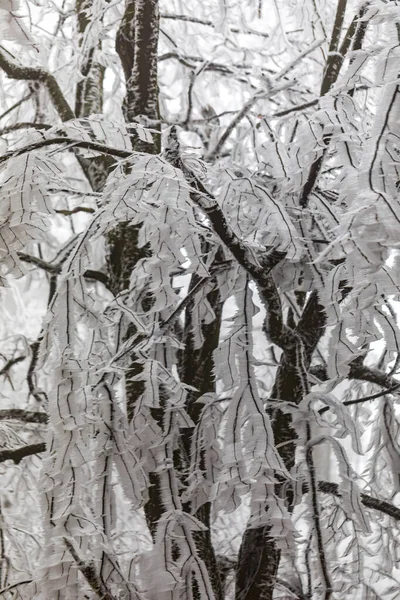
{"x": 89, "y": 572}
{"x": 190, "y": 19}
{"x": 23, "y": 415}
{"x": 13, "y": 586}
{"x": 386, "y": 508}
{"x": 55, "y": 269}
{"x": 259, "y": 271}
{"x": 17, "y": 454}
{"x": 16, "y": 105}
{"x": 260, "y": 94}
{"x": 364, "y": 399}
{"x": 15, "y": 71}
{"x": 10, "y": 363}
{"x": 316, "y": 517}
{"x": 18, "y": 126}
{"x": 70, "y": 143}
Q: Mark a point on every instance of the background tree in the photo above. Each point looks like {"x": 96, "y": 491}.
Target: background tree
{"x": 198, "y": 236}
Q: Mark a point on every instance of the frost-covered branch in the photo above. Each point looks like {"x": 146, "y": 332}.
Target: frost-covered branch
{"x": 89, "y": 572}
{"x": 191, "y": 19}
{"x": 25, "y": 416}
{"x": 56, "y": 268}
{"x": 382, "y": 506}
{"x": 260, "y": 94}
{"x": 19, "y": 126}
{"x": 316, "y": 517}
{"x": 69, "y": 143}
{"x": 16, "y": 71}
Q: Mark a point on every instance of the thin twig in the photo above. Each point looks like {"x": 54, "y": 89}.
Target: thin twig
{"x": 13, "y": 586}
{"x": 364, "y": 399}
{"x": 18, "y": 126}
{"x": 190, "y": 19}
{"x": 16, "y": 105}
{"x": 56, "y": 268}
{"x": 261, "y": 93}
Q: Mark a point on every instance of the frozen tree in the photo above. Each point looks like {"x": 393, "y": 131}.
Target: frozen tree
{"x": 199, "y": 231}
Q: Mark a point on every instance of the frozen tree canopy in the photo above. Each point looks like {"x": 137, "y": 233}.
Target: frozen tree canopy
{"x": 200, "y": 278}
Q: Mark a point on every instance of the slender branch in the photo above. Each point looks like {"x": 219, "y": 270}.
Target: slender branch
{"x": 10, "y": 363}
{"x": 382, "y": 506}
{"x": 190, "y": 19}
{"x": 89, "y": 572}
{"x": 38, "y": 262}
{"x": 23, "y": 415}
{"x": 332, "y": 65}
{"x": 70, "y": 143}
{"x": 364, "y": 399}
{"x": 13, "y": 586}
{"x": 17, "y": 454}
{"x": 261, "y": 93}
{"x": 73, "y": 211}
{"x": 297, "y": 108}
{"x": 18, "y": 126}
{"x": 16, "y": 105}
{"x": 55, "y": 269}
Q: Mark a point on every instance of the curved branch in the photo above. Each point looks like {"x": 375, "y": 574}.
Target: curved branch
{"x": 15, "y": 71}
{"x": 13, "y": 586}
{"x": 70, "y": 143}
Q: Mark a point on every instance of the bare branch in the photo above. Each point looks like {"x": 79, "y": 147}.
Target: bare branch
{"x": 17, "y": 454}
{"x": 13, "y": 586}
{"x": 363, "y": 399}
{"x": 73, "y": 211}
{"x": 298, "y": 108}
{"x": 16, "y": 105}
{"x": 10, "y": 363}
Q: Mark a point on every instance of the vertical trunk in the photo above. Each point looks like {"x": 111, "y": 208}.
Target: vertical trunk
{"x": 259, "y": 556}
{"x": 196, "y": 369}
{"x": 89, "y": 95}
{"x": 136, "y": 45}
